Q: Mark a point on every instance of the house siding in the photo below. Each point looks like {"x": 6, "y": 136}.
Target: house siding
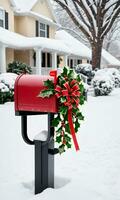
{"x": 25, "y": 25}
{"x": 9, "y": 56}
{"x": 22, "y": 56}
{"x": 41, "y": 7}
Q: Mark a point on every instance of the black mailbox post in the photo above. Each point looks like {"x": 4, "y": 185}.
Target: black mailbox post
{"x": 44, "y": 152}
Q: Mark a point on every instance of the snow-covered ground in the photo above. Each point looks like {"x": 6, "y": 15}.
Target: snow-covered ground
{"x": 91, "y": 174}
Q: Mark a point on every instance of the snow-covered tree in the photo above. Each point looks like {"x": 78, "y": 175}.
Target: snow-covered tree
{"x": 94, "y": 18}
{"x": 113, "y": 35}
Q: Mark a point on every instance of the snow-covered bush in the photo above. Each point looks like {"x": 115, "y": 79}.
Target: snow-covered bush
{"x": 85, "y": 69}
{"x": 7, "y": 81}
{"x": 113, "y": 73}
{"x": 19, "y": 68}
{"x": 103, "y": 85}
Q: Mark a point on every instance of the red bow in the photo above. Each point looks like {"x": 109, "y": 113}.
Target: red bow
{"x": 72, "y": 94}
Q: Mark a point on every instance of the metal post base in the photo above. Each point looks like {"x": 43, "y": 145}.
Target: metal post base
{"x": 44, "y": 161}
{"x": 44, "y": 153}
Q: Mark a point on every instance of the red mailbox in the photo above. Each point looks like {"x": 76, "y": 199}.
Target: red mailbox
{"x": 27, "y": 88}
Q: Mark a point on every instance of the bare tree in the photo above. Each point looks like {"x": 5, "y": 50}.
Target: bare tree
{"x": 67, "y": 24}
{"x": 94, "y": 18}
{"x": 113, "y": 35}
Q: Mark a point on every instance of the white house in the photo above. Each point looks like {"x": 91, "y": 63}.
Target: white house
{"x": 28, "y": 34}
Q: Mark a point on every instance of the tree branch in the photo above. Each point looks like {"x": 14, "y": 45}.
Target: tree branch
{"x": 109, "y": 24}
{"x": 80, "y": 14}
{"x": 75, "y": 20}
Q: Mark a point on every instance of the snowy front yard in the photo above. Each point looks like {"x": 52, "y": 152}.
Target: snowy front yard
{"x": 91, "y": 174}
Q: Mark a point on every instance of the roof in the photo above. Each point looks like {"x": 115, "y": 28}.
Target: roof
{"x": 76, "y": 46}
{"x": 66, "y": 45}
{"x": 14, "y": 40}
{"x": 24, "y": 6}
{"x": 110, "y": 59}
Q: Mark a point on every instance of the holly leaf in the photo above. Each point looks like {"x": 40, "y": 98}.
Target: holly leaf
{"x": 63, "y": 99}
{"x": 67, "y": 138}
{"x": 59, "y": 139}
{"x": 68, "y": 145}
{"x": 65, "y": 70}
{"x": 77, "y": 126}
{"x": 62, "y": 149}
{"x": 78, "y": 78}
{"x": 71, "y": 74}
{"x": 80, "y": 116}
{"x": 75, "y": 110}
{"x": 67, "y": 128}
{"x": 63, "y": 110}
{"x": 81, "y": 88}
{"x": 55, "y": 121}
{"x": 59, "y": 130}
{"x": 49, "y": 83}
{"x": 82, "y": 100}
{"x": 46, "y": 93}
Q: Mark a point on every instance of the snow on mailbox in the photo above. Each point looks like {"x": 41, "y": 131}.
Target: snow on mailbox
{"x": 27, "y": 88}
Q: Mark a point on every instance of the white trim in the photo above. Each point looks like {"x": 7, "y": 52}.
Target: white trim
{"x": 38, "y": 61}
{"x": 54, "y": 60}
{"x": 66, "y": 60}
{"x": 1, "y": 9}
{"x": 2, "y": 59}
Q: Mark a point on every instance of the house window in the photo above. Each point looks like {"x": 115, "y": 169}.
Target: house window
{"x": 88, "y": 61}
{"x": 46, "y": 60}
{"x": 2, "y": 18}
{"x": 79, "y": 62}
{"x": 71, "y": 63}
{"x": 43, "y": 30}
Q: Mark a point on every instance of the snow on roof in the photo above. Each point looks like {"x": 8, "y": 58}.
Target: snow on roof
{"x": 26, "y": 5}
{"x": 110, "y": 59}
{"x": 64, "y": 43}
{"x": 23, "y": 5}
{"x": 15, "y": 40}
{"x": 80, "y": 49}
{"x": 76, "y": 46}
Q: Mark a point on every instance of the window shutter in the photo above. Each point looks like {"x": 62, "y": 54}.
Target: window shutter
{"x": 37, "y": 28}
{"x": 48, "y": 31}
{"x": 6, "y": 20}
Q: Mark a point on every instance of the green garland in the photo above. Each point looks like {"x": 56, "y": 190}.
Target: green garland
{"x": 62, "y": 130}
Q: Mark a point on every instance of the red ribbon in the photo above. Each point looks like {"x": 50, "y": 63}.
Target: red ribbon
{"x": 72, "y": 130}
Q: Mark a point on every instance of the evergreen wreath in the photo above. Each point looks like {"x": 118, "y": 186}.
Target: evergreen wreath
{"x": 69, "y": 91}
